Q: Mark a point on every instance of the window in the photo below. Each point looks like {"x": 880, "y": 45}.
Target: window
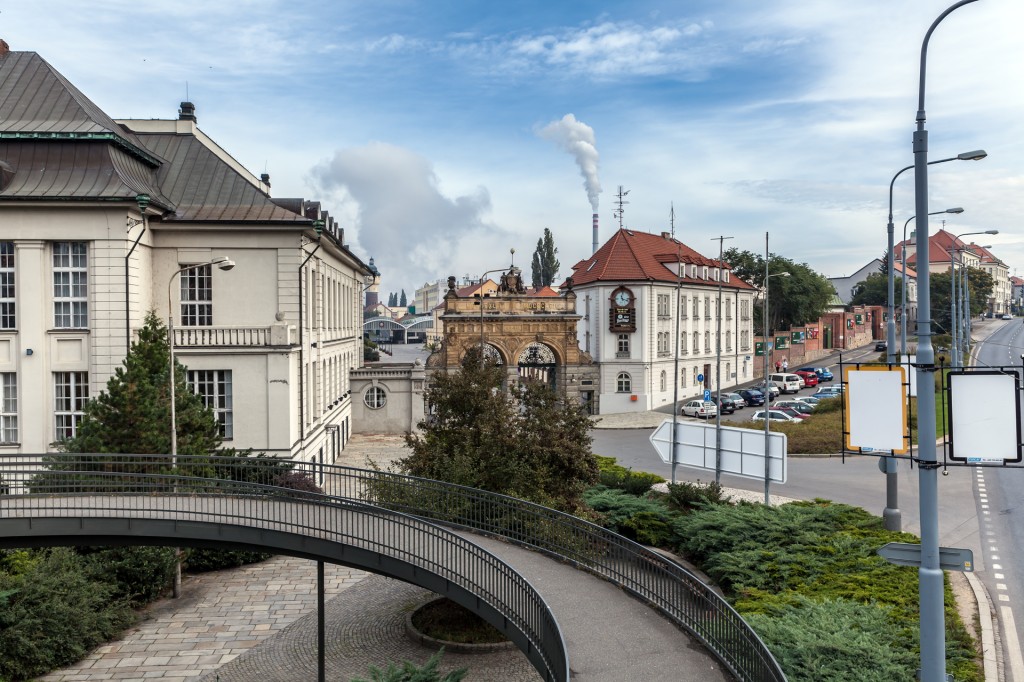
{"x": 197, "y": 297}
{"x": 682, "y": 343}
{"x": 707, "y": 307}
{"x": 728, "y": 308}
{"x": 70, "y": 285}
{"x": 728, "y": 340}
{"x": 696, "y": 373}
{"x": 682, "y": 308}
{"x": 664, "y": 305}
{"x": 682, "y": 377}
{"x": 744, "y": 340}
{"x": 664, "y": 379}
{"x": 696, "y": 307}
{"x": 725, "y": 275}
{"x": 623, "y": 383}
{"x": 718, "y": 274}
{"x": 7, "y": 285}
{"x": 623, "y": 345}
{"x": 70, "y": 393}
{"x": 8, "y": 407}
{"x": 704, "y": 272}
{"x": 214, "y": 387}
{"x": 744, "y": 310}
{"x": 375, "y": 397}
{"x": 696, "y": 342}
{"x": 707, "y": 342}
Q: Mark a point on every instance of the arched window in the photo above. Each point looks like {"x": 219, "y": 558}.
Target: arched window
{"x": 375, "y": 397}
{"x": 664, "y": 378}
{"x": 623, "y": 383}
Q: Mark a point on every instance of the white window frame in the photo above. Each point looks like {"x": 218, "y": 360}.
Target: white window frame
{"x": 70, "y": 285}
{"x": 622, "y": 344}
{"x": 8, "y": 407}
{"x": 197, "y": 296}
{"x": 375, "y": 397}
{"x": 623, "y": 383}
{"x": 8, "y": 320}
{"x": 215, "y": 388}
{"x": 70, "y": 394}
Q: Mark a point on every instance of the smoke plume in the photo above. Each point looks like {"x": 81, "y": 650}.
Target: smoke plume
{"x": 577, "y": 138}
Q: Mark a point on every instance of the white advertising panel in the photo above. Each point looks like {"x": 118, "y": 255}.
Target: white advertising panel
{"x": 876, "y": 409}
{"x": 983, "y": 417}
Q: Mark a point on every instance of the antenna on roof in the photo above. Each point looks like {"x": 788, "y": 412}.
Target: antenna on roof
{"x": 672, "y": 218}
{"x": 621, "y": 202}
{"x": 186, "y": 92}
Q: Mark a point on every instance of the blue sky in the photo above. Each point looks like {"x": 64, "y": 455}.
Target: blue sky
{"x": 420, "y": 124}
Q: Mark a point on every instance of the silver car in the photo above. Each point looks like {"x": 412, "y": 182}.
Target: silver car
{"x": 699, "y": 408}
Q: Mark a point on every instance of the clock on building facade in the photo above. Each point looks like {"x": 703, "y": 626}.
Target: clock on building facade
{"x": 622, "y": 317}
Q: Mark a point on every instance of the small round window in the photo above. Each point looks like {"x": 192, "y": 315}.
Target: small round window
{"x": 375, "y": 397}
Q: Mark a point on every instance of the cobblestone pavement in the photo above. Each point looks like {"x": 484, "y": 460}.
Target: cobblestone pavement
{"x": 220, "y": 615}
{"x": 365, "y": 627}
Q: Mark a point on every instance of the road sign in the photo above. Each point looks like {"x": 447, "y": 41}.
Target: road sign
{"x": 700, "y": 378}
{"x": 707, "y": 395}
{"x": 950, "y": 558}
{"x": 742, "y": 449}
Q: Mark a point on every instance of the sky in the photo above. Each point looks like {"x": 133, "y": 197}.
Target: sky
{"x": 441, "y": 134}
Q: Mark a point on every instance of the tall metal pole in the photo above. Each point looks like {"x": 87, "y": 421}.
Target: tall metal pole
{"x": 955, "y": 343}
{"x": 321, "y": 628}
{"x": 930, "y": 578}
{"x": 767, "y": 393}
{"x": 903, "y": 294}
{"x": 718, "y": 366}
{"x": 679, "y": 314}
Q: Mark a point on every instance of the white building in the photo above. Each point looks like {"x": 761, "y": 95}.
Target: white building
{"x": 629, "y": 293}
{"x": 269, "y": 344}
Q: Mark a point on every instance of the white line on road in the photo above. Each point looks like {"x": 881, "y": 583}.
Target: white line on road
{"x": 1016, "y": 661}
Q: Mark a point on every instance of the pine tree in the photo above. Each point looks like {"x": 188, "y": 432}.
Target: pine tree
{"x": 392, "y": 299}
{"x": 133, "y": 415}
{"x": 403, "y": 301}
{"x": 545, "y": 264}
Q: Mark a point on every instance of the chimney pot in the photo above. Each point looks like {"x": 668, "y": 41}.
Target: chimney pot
{"x": 265, "y": 179}
{"x": 187, "y": 112}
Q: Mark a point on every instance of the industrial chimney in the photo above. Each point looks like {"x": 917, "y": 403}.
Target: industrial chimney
{"x": 595, "y": 233}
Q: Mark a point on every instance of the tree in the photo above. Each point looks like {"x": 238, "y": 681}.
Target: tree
{"x": 874, "y": 290}
{"x": 527, "y": 442}
{"x": 545, "y": 263}
{"x": 403, "y": 301}
{"x": 392, "y": 299}
{"x": 792, "y": 301}
{"x": 979, "y": 286}
{"x": 133, "y": 415}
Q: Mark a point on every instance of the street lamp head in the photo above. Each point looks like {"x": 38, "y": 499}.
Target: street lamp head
{"x": 991, "y": 231}
{"x": 976, "y": 155}
{"x": 954, "y": 210}
{"x": 223, "y": 262}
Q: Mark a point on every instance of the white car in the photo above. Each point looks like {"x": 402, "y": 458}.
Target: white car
{"x": 699, "y": 408}
{"x": 833, "y": 391}
{"x": 775, "y": 416}
{"x": 1006, "y": 316}
{"x": 811, "y": 400}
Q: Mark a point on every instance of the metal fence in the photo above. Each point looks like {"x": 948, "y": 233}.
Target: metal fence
{"x": 655, "y": 579}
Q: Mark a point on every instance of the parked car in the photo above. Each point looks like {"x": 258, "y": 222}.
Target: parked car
{"x": 881, "y": 345}
{"x": 809, "y": 377}
{"x": 772, "y": 391}
{"x": 811, "y": 400}
{"x": 830, "y": 391}
{"x": 801, "y": 407}
{"x": 723, "y": 404}
{"x": 1006, "y": 316}
{"x": 699, "y": 408}
{"x": 774, "y": 415}
{"x": 752, "y": 396}
{"x": 738, "y": 401}
{"x": 824, "y": 374}
{"x": 786, "y": 381}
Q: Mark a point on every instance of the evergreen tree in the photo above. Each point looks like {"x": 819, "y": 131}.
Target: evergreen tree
{"x": 874, "y": 290}
{"x": 133, "y": 416}
{"x": 392, "y": 299}
{"x": 528, "y": 442}
{"x": 545, "y": 263}
{"x": 403, "y": 301}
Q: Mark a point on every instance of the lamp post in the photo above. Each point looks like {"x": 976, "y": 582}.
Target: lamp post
{"x": 142, "y": 200}
{"x": 890, "y": 328}
{"x": 903, "y": 292}
{"x": 956, "y": 350}
{"x": 767, "y": 393}
{"x": 480, "y": 296}
{"x": 930, "y": 576}
{"x": 718, "y": 365}
{"x": 222, "y": 262}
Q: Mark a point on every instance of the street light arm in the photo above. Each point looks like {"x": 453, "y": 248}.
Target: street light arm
{"x": 924, "y": 55}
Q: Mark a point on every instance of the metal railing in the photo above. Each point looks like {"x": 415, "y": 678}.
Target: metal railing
{"x": 655, "y": 579}
{"x": 261, "y": 493}
{"x": 217, "y": 337}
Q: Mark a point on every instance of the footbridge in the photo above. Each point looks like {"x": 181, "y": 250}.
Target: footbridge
{"x": 443, "y": 537}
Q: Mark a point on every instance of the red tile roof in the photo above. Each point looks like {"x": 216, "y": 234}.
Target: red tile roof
{"x": 641, "y": 256}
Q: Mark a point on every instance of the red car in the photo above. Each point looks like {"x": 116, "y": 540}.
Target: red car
{"x": 810, "y": 378}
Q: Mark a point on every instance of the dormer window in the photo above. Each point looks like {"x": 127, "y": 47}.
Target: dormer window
{"x": 718, "y": 274}
{"x": 725, "y": 275}
{"x": 704, "y": 273}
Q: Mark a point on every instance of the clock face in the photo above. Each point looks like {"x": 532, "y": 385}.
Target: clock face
{"x": 622, "y": 298}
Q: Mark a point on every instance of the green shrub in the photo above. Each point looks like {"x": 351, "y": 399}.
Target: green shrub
{"x": 684, "y": 495}
{"x": 611, "y": 475}
{"x": 201, "y": 560}
{"x": 54, "y": 614}
{"x": 138, "y": 574}
{"x": 641, "y": 519}
{"x": 410, "y": 672}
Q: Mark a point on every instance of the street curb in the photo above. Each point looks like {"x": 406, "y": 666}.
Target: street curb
{"x": 988, "y": 639}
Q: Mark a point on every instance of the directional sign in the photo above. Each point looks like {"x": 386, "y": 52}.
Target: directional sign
{"x": 707, "y": 395}
{"x": 742, "y": 449}
{"x": 950, "y": 558}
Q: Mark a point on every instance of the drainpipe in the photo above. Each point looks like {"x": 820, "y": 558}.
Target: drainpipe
{"x": 143, "y": 201}
{"x": 318, "y": 225}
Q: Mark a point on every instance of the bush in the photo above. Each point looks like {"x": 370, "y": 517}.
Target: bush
{"x": 410, "y": 672}
{"x": 201, "y": 560}
{"x": 54, "y": 614}
{"x": 138, "y": 574}
{"x": 644, "y": 520}
{"x": 684, "y": 495}
{"x": 611, "y": 475}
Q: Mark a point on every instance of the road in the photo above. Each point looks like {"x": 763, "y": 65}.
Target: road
{"x": 1000, "y": 501}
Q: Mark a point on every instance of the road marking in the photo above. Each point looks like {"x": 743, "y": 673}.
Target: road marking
{"x": 1016, "y": 662}
{"x": 1000, "y": 576}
